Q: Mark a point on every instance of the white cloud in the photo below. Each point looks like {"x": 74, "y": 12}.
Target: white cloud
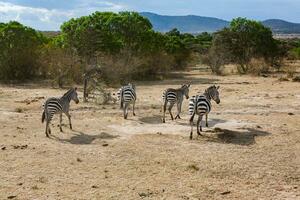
{"x": 51, "y": 19}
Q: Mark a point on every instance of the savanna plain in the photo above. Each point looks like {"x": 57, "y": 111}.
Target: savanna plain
{"x": 251, "y": 149}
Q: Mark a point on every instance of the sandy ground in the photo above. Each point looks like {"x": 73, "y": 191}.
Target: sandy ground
{"x": 255, "y": 154}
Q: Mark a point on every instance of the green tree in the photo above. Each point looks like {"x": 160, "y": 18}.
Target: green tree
{"x": 19, "y": 51}
{"x": 244, "y": 40}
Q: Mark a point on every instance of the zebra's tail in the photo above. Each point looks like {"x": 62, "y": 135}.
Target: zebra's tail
{"x": 121, "y": 99}
{"x": 164, "y": 99}
{"x": 192, "y": 105}
{"x": 43, "y": 116}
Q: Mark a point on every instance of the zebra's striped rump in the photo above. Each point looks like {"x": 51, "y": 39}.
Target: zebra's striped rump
{"x": 126, "y": 96}
{"x": 200, "y": 105}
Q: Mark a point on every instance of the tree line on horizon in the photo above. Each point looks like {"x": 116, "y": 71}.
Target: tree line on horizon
{"x": 120, "y": 47}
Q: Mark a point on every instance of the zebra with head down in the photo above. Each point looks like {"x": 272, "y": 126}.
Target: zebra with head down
{"x": 173, "y": 96}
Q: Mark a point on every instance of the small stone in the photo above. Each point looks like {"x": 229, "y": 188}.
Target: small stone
{"x": 105, "y": 144}
{"x": 226, "y": 192}
{"x": 95, "y": 186}
{"x": 11, "y": 197}
{"x": 291, "y": 114}
{"x": 3, "y": 148}
{"x": 79, "y": 160}
{"x": 143, "y": 194}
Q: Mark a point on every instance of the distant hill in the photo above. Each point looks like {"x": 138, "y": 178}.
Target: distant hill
{"x": 189, "y": 23}
{"x": 197, "y": 24}
{"x": 281, "y": 26}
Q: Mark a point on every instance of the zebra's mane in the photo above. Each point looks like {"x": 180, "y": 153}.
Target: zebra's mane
{"x": 68, "y": 92}
{"x": 183, "y": 87}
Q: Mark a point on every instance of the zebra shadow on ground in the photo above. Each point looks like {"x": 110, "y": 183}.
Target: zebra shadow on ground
{"x": 211, "y": 122}
{"x": 244, "y": 137}
{"x": 81, "y": 138}
{"x": 156, "y": 119}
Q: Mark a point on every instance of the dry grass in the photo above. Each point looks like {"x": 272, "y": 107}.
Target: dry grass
{"x": 249, "y": 151}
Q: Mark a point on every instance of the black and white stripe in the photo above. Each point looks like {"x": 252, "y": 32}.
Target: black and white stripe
{"x": 126, "y": 96}
{"x": 61, "y": 105}
{"x": 201, "y": 105}
{"x": 173, "y": 96}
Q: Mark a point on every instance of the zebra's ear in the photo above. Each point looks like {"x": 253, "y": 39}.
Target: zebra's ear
{"x": 75, "y": 88}
{"x": 188, "y": 85}
{"x": 218, "y": 87}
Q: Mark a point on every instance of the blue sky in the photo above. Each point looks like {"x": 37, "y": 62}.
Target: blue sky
{"x": 49, "y": 14}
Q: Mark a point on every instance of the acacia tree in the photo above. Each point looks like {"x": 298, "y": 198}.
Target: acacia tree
{"x": 246, "y": 39}
{"x": 19, "y": 46}
{"x": 106, "y": 36}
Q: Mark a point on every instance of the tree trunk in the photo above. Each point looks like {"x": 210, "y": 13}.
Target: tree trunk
{"x": 85, "y": 93}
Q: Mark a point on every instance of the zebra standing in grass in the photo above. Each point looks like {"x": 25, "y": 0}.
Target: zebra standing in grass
{"x": 173, "y": 96}
{"x": 201, "y": 105}
{"x": 127, "y": 95}
{"x": 59, "y": 105}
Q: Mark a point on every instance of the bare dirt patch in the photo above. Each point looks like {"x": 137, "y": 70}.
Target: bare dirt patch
{"x": 249, "y": 151}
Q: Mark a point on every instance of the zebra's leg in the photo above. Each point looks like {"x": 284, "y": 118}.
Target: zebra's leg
{"x": 192, "y": 123}
{"x": 199, "y": 124}
{"x": 125, "y": 110}
{"x": 133, "y": 105}
{"x": 47, "y": 128}
{"x": 70, "y": 122}
{"x": 60, "y": 121}
{"x": 178, "y": 110}
{"x": 170, "y": 110}
{"x": 164, "y": 110}
{"x": 206, "y": 116}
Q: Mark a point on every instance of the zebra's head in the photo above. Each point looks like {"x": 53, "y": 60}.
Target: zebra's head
{"x": 74, "y": 95}
{"x": 213, "y": 93}
{"x": 131, "y": 85}
{"x": 185, "y": 89}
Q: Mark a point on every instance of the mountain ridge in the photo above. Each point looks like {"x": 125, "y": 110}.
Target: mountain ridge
{"x": 198, "y": 24}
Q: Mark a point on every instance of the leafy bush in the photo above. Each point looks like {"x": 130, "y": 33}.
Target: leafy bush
{"x": 258, "y": 66}
{"x": 19, "y": 51}
{"x": 242, "y": 42}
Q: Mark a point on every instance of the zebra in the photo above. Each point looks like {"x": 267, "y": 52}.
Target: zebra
{"x": 201, "y": 105}
{"x": 127, "y": 95}
{"x": 59, "y": 105}
{"x": 173, "y": 96}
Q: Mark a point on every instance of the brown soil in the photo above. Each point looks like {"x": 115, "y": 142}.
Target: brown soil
{"x": 250, "y": 150}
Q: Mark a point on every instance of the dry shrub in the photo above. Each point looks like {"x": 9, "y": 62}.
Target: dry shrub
{"x": 123, "y": 68}
{"x": 296, "y": 79}
{"x": 61, "y": 66}
{"x": 290, "y": 71}
{"x": 193, "y": 167}
{"x": 98, "y": 94}
{"x": 258, "y": 66}
{"x": 281, "y": 79}
{"x": 19, "y": 110}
